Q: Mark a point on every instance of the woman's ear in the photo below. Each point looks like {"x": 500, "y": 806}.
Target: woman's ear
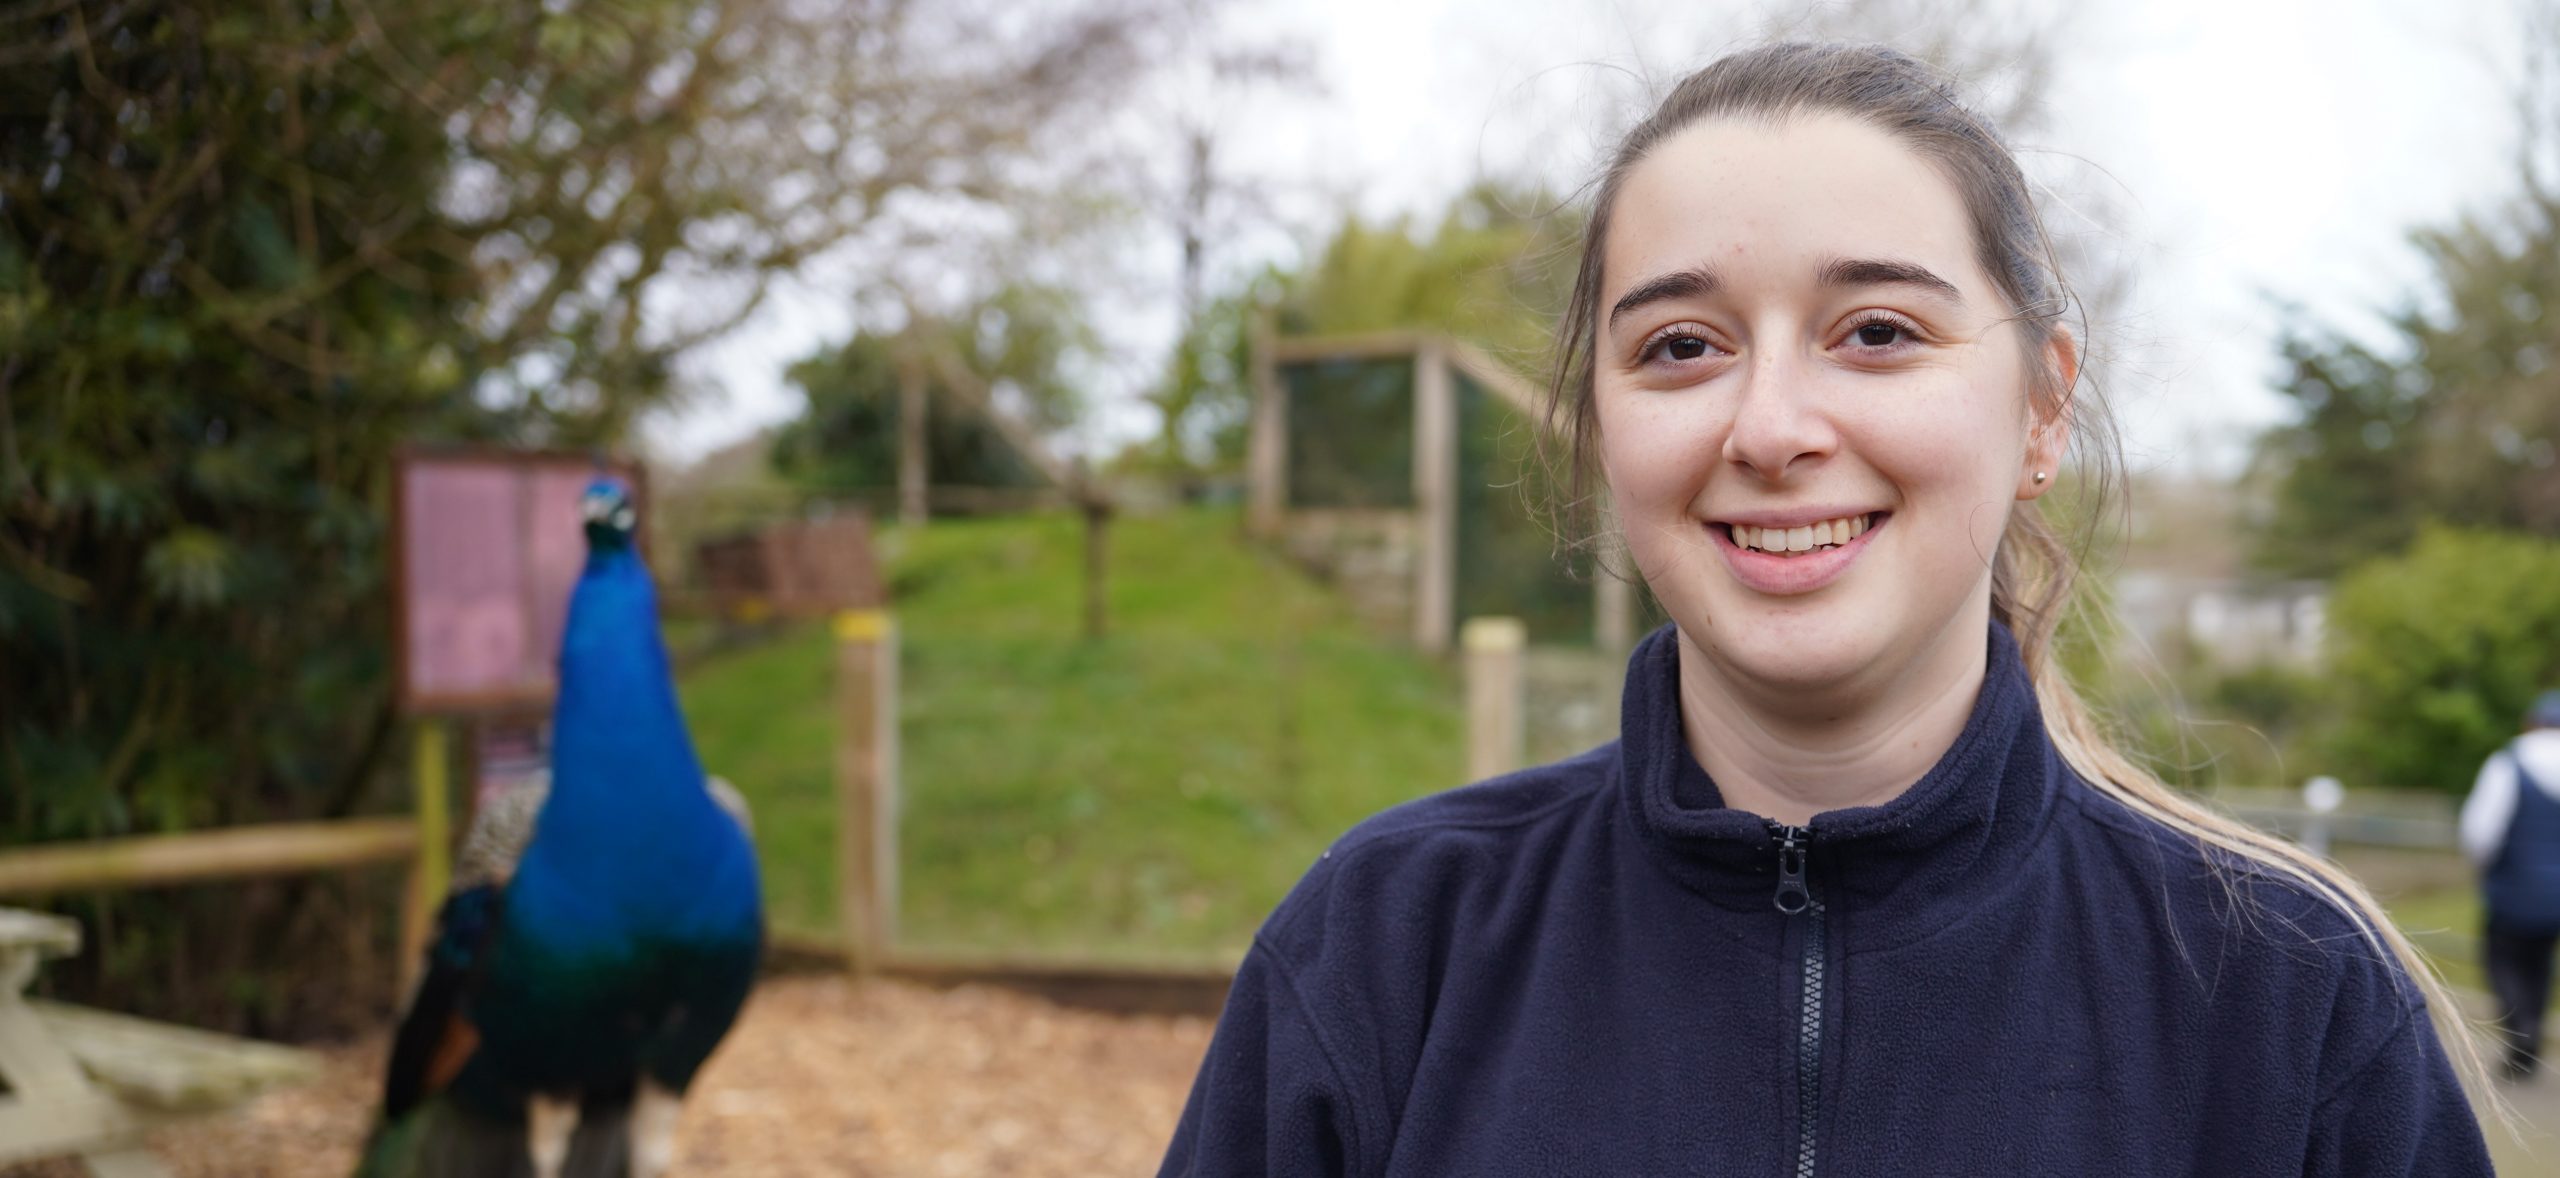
{"x": 2049, "y": 419}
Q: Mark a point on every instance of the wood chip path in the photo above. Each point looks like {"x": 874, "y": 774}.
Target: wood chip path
{"x": 824, "y": 1075}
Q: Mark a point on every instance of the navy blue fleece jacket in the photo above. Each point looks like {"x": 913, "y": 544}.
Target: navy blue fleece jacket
{"x": 1583, "y": 969}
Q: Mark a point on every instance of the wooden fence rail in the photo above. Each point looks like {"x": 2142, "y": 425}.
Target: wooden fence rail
{"x": 239, "y": 853}
{"x": 252, "y": 852}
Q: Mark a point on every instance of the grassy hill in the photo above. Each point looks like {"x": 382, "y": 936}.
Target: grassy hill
{"x": 1157, "y": 792}
{"x": 1152, "y": 793}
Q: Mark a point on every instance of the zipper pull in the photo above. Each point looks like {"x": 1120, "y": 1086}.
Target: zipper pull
{"x": 1793, "y": 895}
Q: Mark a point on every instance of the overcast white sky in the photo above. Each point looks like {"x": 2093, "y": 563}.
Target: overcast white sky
{"x": 2257, "y": 147}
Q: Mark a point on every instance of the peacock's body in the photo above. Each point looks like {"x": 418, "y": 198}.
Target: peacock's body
{"x": 582, "y": 975}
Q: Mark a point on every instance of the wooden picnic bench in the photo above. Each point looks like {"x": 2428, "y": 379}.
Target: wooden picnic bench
{"x": 89, "y": 1083}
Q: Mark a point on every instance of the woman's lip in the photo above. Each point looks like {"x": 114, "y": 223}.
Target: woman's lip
{"x": 1787, "y": 576}
{"x": 1802, "y": 517}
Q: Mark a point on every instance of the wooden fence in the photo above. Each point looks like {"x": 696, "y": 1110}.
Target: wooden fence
{"x": 422, "y": 841}
{"x": 868, "y": 788}
{"x": 2372, "y": 818}
{"x": 867, "y": 808}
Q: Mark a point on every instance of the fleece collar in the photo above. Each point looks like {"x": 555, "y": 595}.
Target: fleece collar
{"x": 1956, "y": 838}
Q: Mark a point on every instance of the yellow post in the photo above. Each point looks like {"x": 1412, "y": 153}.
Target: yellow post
{"x": 431, "y": 873}
{"x": 867, "y": 784}
{"x": 1495, "y": 732}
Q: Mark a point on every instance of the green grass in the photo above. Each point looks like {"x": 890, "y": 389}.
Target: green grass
{"x": 1153, "y": 793}
{"x": 2445, "y": 924}
{"x": 1157, "y": 792}
{"x": 2434, "y": 898}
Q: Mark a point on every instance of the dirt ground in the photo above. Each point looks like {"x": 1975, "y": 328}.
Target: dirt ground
{"x": 823, "y": 1075}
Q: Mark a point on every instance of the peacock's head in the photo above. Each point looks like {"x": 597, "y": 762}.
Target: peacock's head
{"x": 609, "y": 514}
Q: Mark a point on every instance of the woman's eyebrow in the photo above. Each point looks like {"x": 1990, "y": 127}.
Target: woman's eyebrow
{"x": 1694, "y": 282}
{"x": 1699, "y": 281}
{"x": 1886, "y": 272}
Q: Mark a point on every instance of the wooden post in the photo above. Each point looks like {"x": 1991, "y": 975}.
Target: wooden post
{"x": 1097, "y": 562}
{"x": 1613, "y": 629}
{"x": 912, "y": 472}
{"x": 1496, "y": 742}
{"x": 1435, "y": 500}
{"x": 431, "y": 873}
{"x": 867, "y": 784}
{"x": 1613, "y": 597}
{"x": 1267, "y": 451}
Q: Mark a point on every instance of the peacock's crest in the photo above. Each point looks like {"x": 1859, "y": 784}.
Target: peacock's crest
{"x": 610, "y": 517}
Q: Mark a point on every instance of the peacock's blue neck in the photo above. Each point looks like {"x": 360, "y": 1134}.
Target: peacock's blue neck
{"x": 628, "y": 814}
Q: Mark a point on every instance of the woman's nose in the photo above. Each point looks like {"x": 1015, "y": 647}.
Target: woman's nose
{"x": 1779, "y": 428}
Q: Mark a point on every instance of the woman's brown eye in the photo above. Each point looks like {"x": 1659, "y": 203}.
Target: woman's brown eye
{"x": 1878, "y": 335}
{"x": 1686, "y": 347}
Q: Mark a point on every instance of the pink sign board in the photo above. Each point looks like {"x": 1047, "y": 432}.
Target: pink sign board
{"x": 489, "y": 545}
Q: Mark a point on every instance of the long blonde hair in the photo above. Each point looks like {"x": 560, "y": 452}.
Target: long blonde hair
{"x": 2035, "y": 575}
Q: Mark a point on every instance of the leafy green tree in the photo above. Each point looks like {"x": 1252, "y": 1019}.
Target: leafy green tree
{"x": 2435, "y": 654}
{"x": 1022, "y": 343}
{"x": 2346, "y": 482}
{"x": 1494, "y": 270}
{"x": 1204, "y": 400}
{"x": 246, "y": 252}
{"x": 2455, "y": 420}
{"x": 2453, "y": 416}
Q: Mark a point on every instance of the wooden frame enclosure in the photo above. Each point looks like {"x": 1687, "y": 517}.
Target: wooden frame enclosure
{"x": 1437, "y": 360}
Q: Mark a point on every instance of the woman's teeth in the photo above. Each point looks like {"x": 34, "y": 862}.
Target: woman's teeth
{"x": 1830, "y": 533}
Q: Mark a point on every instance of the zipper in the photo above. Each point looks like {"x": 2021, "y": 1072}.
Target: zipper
{"x": 1795, "y": 898}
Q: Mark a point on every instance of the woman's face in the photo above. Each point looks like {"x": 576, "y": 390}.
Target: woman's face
{"x": 1813, "y": 416}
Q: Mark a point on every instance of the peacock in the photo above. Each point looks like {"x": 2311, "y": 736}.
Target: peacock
{"x": 603, "y": 930}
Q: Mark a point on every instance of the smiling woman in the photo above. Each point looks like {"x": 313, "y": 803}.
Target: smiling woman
{"x": 1820, "y": 345}
{"x": 1858, "y": 890}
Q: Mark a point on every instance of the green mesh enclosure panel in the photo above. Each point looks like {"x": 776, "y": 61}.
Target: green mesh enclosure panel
{"x": 1508, "y": 558}
{"x": 1350, "y": 433}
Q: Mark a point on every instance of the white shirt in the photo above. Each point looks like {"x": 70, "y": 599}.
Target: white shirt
{"x": 2492, "y": 804}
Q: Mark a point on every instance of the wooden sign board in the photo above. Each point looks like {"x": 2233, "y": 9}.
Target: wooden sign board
{"x": 486, "y": 546}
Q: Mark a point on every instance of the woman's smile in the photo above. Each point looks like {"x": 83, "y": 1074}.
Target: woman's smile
{"x": 1784, "y": 559}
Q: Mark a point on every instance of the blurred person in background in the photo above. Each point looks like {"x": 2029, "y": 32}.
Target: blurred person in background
{"x": 1860, "y": 889}
{"x": 2511, "y": 829}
